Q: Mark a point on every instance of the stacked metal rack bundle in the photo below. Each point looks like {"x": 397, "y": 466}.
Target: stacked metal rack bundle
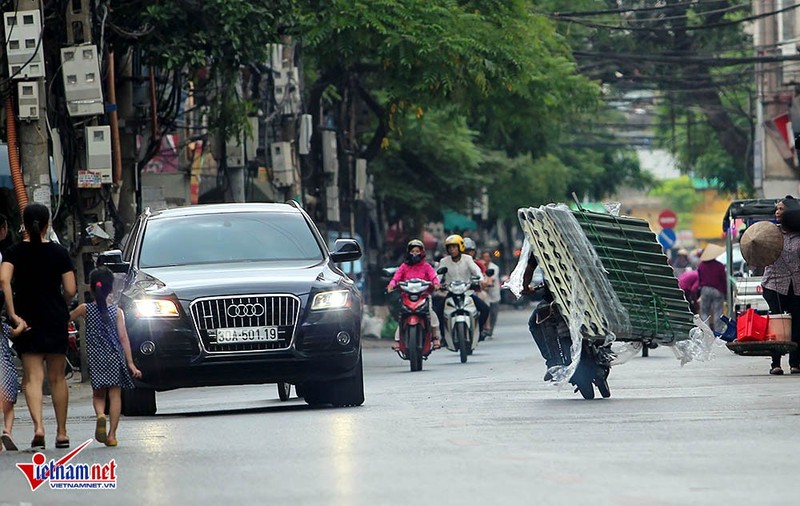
{"x": 612, "y": 270}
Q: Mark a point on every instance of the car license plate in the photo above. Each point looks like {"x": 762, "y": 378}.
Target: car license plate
{"x": 246, "y": 335}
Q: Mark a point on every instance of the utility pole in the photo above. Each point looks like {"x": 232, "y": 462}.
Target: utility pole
{"x": 127, "y": 206}
{"x": 33, "y": 134}
{"x": 80, "y": 69}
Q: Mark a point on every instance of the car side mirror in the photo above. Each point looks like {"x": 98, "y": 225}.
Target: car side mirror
{"x": 346, "y": 250}
{"x": 112, "y": 259}
{"x": 442, "y": 270}
{"x": 490, "y": 272}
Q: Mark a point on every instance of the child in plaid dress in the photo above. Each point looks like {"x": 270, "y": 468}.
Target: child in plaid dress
{"x": 108, "y": 352}
{"x": 8, "y": 383}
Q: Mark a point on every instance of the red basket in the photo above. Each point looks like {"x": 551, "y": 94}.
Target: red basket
{"x": 751, "y": 326}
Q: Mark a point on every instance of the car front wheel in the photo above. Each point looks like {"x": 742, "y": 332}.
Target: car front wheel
{"x": 343, "y": 392}
{"x": 139, "y": 402}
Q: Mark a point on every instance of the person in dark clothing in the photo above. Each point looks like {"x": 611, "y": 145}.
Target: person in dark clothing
{"x": 712, "y": 281}
{"x": 5, "y": 237}
{"x": 781, "y": 284}
{"x": 39, "y": 270}
{"x": 546, "y": 324}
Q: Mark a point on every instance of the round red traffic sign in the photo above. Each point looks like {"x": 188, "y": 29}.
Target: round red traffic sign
{"x": 667, "y": 219}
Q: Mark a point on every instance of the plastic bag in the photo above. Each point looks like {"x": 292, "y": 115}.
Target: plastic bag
{"x": 389, "y": 328}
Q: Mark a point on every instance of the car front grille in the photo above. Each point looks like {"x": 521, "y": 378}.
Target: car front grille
{"x": 213, "y": 313}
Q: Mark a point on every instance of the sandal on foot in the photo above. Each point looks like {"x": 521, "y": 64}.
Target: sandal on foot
{"x": 64, "y": 443}
{"x": 8, "y": 443}
{"x": 111, "y": 442}
{"x": 777, "y": 371}
{"x": 100, "y": 429}
{"x": 396, "y": 346}
{"x": 37, "y": 443}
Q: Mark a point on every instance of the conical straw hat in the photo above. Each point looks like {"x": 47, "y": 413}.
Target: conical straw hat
{"x": 761, "y": 244}
{"x": 711, "y": 252}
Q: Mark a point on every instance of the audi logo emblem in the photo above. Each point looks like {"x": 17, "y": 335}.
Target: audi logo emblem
{"x": 247, "y": 310}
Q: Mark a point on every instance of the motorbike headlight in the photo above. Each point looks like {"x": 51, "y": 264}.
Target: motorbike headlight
{"x": 416, "y": 289}
{"x": 337, "y": 299}
{"x": 155, "y": 308}
{"x": 457, "y": 288}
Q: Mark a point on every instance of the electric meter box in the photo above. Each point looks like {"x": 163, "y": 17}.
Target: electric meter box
{"x": 332, "y": 203}
{"x": 23, "y": 31}
{"x": 28, "y": 100}
{"x": 330, "y": 164}
{"x": 98, "y": 152}
{"x": 282, "y": 164}
{"x": 238, "y": 152}
{"x": 82, "y": 82}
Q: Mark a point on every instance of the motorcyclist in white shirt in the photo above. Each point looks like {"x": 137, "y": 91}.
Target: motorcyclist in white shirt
{"x": 460, "y": 268}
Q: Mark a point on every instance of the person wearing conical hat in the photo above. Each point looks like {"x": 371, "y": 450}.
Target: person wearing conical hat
{"x": 781, "y": 283}
{"x": 713, "y": 284}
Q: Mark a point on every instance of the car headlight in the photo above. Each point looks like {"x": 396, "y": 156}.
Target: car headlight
{"x": 155, "y": 308}
{"x": 331, "y": 300}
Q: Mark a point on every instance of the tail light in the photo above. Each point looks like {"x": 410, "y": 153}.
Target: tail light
{"x": 72, "y": 331}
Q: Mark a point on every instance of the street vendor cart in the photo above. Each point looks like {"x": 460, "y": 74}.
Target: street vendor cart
{"x": 744, "y": 283}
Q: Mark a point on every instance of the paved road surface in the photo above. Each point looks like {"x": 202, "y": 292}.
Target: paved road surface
{"x": 486, "y": 432}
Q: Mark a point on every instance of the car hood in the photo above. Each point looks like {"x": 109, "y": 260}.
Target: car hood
{"x": 209, "y": 280}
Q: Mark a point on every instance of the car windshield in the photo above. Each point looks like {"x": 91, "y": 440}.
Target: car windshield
{"x": 227, "y": 237}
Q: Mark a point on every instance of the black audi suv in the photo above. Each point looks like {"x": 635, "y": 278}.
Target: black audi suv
{"x": 231, "y": 294}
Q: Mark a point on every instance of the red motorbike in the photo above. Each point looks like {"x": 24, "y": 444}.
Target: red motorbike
{"x": 413, "y": 316}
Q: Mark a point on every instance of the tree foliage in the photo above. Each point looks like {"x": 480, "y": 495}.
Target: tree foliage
{"x": 679, "y": 194}
{"x": 209, "y": 40}
{"x": 463, "y": 93}
{"x": 434, "y": 164}
{"x": 494, "y": 67}
{"x": 675, "y": 47}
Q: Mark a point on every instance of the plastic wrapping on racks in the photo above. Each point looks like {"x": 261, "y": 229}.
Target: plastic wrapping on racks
{"x": 583, "y": 292}
{"x": 699, "y": 346}
{"x": 574, "y": 273}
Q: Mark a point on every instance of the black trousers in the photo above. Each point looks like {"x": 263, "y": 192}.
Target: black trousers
{"x": 789, "y": 303}
{"x": 551, "y": 335}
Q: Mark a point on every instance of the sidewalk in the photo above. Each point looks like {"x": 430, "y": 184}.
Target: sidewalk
{"x": 78, "y": 390}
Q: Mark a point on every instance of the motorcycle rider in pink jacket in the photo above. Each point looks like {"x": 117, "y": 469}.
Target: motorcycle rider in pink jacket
{"x": 415, "y": 267}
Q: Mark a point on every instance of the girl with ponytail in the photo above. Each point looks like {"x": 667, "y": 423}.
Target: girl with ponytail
{"x": 108, "y": 351}
{"x": 38, "y": 281}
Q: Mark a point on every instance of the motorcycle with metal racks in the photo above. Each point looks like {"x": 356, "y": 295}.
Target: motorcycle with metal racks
{"x": 412, "y": 311}
{"x": 461, "y": 315}
{"x": 552, "y": 336}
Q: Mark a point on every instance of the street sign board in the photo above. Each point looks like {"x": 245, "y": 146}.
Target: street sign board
{"x": 667, "y": 238}
{"x": 667, "y": 219}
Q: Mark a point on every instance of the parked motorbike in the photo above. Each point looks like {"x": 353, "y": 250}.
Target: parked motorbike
{"x": 73, "y": 350}
{"x": 413, "y": 316}
{"x": 461, "y": 316}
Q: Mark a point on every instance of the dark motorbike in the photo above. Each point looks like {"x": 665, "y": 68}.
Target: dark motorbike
{"x": 412, "y": 311}
{"x": 551, "y": 334}
{"x": 73, "y": 350}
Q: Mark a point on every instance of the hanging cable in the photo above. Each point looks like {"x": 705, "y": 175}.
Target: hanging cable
{"x": 13, "y": 158}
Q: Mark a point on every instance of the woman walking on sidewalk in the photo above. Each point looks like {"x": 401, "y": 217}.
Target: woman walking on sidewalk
{"x": 40, "y": 269}
{"x": 108, "y": 351}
